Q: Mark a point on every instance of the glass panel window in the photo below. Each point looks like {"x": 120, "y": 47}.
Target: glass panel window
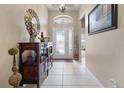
{"x": 70, "y": 42}
{"x": 60, "y": 42}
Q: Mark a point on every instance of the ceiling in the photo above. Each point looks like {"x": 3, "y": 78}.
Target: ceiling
{"x": 69, "y": 7}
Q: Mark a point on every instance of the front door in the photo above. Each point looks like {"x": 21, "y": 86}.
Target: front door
{"x": 63, "y": 41}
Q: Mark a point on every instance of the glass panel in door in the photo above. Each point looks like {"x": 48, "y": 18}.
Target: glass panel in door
{"x": 60, "y": 43}
{"x": 63, "y": 44}
{"x": 70, "y": 44}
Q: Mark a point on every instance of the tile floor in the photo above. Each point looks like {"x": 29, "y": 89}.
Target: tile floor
{"x": 70, "y": 75}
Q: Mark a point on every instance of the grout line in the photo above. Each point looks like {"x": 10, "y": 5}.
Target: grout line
{"x": 62, "y": 74}
{"x": 62, "y": 78}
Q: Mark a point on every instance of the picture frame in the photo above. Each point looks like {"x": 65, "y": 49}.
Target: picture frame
{"x": 102, "y": 18}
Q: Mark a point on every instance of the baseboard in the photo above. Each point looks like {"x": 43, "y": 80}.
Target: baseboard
{"x": 96, "y": 79}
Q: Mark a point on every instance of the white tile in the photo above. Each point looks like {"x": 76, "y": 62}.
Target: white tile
{"x": 68, "y": 67}
{"x": 68, "y": 72}
{"x": 51, "y": 87}
{"x": 75, "y": 71}
{"x": 58, "y": 66}
{"x": 78, "y": 80}
{"x": 56, "y": 72}
{"x": 81, "y": 87}
{"x": 70, "y": 75}
{"x": 53, "y": 80}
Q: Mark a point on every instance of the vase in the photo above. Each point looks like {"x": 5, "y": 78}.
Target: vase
{"x": 16, "y": 77}
{"x": 32, "y": 39}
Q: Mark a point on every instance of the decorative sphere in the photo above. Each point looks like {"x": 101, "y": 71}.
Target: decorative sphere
{"x": 15, "y": 79}
{"x": 13, "y": 51}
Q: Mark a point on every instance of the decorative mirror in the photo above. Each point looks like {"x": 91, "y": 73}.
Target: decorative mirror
{"x": 32, "y": 24}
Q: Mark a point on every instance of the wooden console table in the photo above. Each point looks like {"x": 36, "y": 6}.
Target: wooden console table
{"x": 35, "y": 68}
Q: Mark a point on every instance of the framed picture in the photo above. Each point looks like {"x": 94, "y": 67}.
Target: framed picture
{"x": 102, "y": 18}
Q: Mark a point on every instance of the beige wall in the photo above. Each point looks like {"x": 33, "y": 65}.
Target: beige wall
{"x": 12, "y": 31}
{"x": 105, "y": 51}
{"x": 74, "y": 15}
